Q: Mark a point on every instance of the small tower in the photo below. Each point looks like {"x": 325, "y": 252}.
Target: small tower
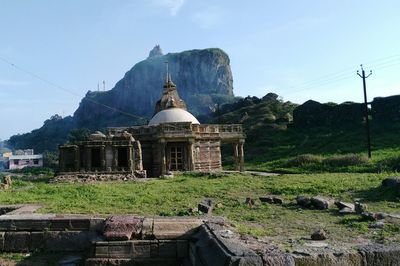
{"x": 170, "y": 97}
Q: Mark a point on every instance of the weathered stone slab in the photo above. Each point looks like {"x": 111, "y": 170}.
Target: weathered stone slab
{"x": 174, "y": 228}
{"x": 142, "y": 249}
{"x": 122, "y": 227}
{"x": 69, "y": 241}
{"x": 167, "y": 249}
{"x": 322, "y": 203}
{"x": 120, "y": 249}
{"x": 17, "y": 241}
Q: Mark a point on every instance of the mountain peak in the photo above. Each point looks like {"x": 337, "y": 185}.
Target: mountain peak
{"x": 156, "y": 51}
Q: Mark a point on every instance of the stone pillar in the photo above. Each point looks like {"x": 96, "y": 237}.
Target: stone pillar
{"x": 138, "y": 156}
{"x": 61, "y": 162}
{"x": 236, "y": 155}
{"x": 130, "y": 161}
{"x": 103, "y": 158}
{"x": 190, "y": 149}
{"x": 241, "y": 156}
{"x": 88, "y": 152}
{"x": 115, "y": 158}
{"x": 77, "y": 159}
{"x": 163, "y": 157}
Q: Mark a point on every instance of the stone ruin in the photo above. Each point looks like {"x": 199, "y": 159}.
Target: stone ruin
{"x": 136, "y": 240}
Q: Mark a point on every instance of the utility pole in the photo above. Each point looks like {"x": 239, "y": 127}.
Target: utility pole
{"x": 366, "y": 107}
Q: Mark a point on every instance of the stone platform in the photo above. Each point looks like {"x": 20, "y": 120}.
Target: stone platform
{"x": 162, "y": 241}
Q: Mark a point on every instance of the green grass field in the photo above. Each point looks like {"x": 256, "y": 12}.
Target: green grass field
{"x": 177, "y": 196}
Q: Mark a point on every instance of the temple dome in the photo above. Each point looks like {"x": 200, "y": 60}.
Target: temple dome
{"x": 173, "y": 115}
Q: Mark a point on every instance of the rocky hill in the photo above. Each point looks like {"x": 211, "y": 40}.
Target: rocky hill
{"x": 203, "y": 78}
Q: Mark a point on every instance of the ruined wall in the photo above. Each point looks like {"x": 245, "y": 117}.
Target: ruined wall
{"x": 207, "y": 155}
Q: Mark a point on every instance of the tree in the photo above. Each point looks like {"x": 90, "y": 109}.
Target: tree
{"x": 78, "y": 134}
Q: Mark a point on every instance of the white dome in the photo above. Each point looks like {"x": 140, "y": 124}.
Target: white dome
{"x": 172, "y": 115}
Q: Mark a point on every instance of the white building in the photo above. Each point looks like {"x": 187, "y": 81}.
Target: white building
{"x": 21, "y": 161}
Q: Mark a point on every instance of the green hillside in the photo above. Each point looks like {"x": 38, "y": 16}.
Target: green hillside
{"x": 334, "y": 139}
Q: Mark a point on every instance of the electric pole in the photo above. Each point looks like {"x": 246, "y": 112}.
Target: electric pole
{"x": 366, "y": 107}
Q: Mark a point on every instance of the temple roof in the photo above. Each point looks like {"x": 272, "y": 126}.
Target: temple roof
{"x": 172, "y": 115}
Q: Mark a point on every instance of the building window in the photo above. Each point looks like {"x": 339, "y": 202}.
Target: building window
{"x": 35, "y": 161}
{"x": 16, "y": 162}
{"x": 27, "y": 162}
{"x": 176, "y": 157}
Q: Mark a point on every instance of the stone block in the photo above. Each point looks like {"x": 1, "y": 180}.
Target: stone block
{"x": 101, "y": 251}
{"x": 175, "y": 228}
{"x": 31, "y": 224}
{"x": 68, "y": 240}
{"x": 142, "y": 249}
{"x": 96, "y": 224}
{"x": 147, "y": 228}
{"x": 182, "y": 248}
{"x": 167, "y": 249}
{"x": 2, "y": 236}
{"x": 37, "y": 241}
{"x": 122, "y": 228}
{"x": 17, "y": 241}
{"x": 7, "y": 225}
{"x": 120, "y": 249}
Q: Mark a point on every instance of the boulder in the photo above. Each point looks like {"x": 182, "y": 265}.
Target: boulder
{"x": 374, "y": 216}
{"x": 345, "y": 208}
{"x": 321, "y": 203}
{"x": 360, "y": 207}
{"x": 122, "y": 227}
{"x": 303, "y": 201}
{"x": 250, "y": 202}
{"x": 319, "y": 234}
{"x": 391, "y": 182}
{"x": 271, "y": 199}
{"x": 206, "y": 206}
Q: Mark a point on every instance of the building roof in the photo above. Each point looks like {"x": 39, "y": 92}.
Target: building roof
{"x": 172, "y": 115}
{"x": 26, "y": 157}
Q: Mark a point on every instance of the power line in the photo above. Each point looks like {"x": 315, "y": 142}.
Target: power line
{"x": 69, "y": 91}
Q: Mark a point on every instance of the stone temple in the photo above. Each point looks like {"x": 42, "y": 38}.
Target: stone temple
{"x": 173, "y": 140}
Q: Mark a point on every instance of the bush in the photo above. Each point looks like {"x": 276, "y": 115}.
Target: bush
{"x": 389, "y": 164}
{"x": 33, "y": 171}
{"x": 346, "y": 160}
{"x": 304, "y": 159}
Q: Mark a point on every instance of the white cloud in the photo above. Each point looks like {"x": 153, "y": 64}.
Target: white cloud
{"x": 13, "y": 83}
{"x": 208, "y": 18}
{"x": 173, "y": 6}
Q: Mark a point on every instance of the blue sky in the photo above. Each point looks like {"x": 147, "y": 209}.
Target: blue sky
{"x": 299, "y": 49}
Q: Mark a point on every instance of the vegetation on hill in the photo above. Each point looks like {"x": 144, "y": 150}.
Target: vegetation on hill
{"x": 313, "y": 137}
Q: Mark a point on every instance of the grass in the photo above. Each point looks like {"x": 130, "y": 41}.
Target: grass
{"x": 177, "y": 196}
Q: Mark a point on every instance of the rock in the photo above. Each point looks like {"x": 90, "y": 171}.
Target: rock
{"x": 303, "y": 201}
{"x": 219, "y": 205}
{"x": 250, "y": 202}
{"x": 374, "y": 216}
{"x": 156, "y": 51}
{"x": 320, "y": 234}
{"x": 346, "y": 211}
{"x": 360, "y": 207}
{"x": 345, "y": 208}
{"x": 321, "y": 203}
{"x": 122, "y": 227}
{"x": 206, "y": 206}
{"x": 273, "y": 256}
{"x": 377, "y": 225}
{"x": 391, "y": 182}
{"x": 271, "y": 199}
{"x": 342, "y": 204}
{"x": 7, "y": 182}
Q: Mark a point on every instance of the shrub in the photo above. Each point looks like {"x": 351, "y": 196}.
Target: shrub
{"x": 346, "y": 160}
{"x": 304, "y": 159}
{"x": 389, "y": 164}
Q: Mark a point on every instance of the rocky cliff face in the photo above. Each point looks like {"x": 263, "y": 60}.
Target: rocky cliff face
{"x": 203, "y": 78}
